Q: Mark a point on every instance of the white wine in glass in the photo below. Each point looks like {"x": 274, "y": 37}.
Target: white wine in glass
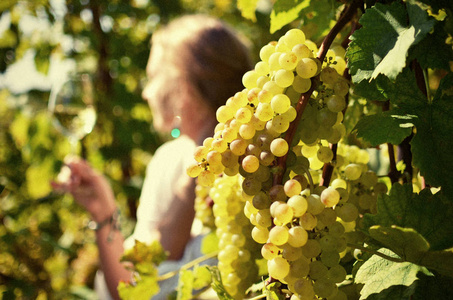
{"x": 71, "y": 105}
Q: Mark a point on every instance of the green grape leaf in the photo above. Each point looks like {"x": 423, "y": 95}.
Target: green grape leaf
{"x": 405, "y": 242}
{"x": 185, "y": 285}
{"x": 273, "y": 291}
{"x": 217, "y": 284}
{"x": 152, "y": 253}
{"x": 395, "y": 292}
{"x": 370, "y": 90}
{"x": 430, "y": 215}
{"x": 317, "y": 18}
{"x": 431, "y": 143}
{"x": 144, "y": 288}
{"x": 382, "y": 44}
{"x": 378, "y": 274}
{"x": 427, "y": 58}
{"x": 286, "y": 11}
{"x": 202, "y": 277}
{"x": 384, "y": 127}
{"x": 247, "y": 8}
{"x": 441, "y": 261}
{"x": 210, "y": 243}
{"x": 438, "y": 4}
{"x": 412, "y": 247}
{"x": 433, "y": 287}
{"x": 403, "y": 92}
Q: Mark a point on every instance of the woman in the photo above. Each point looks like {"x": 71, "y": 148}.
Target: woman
{"x": 195, "y": 65}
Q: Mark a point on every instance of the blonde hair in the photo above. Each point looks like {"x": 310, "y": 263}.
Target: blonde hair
{"x": 206, "y": 53}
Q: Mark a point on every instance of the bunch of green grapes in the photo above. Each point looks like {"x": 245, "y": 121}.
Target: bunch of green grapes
{"x": 237, "y": 254}
{"x": 300, "y": 226}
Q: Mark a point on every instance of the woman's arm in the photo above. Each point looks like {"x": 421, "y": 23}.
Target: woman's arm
{"x": 175, "y": 227}
{"x": 93, "y": 192}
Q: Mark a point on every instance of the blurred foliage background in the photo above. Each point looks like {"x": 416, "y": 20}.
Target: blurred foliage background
{"x": 45, "y": 250}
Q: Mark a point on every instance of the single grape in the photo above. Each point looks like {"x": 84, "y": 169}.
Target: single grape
{"x": 294, "y": 37}
{"x": 330, "y": 258}
{"x": 308, "y": 221}
{"x": 264, "y": 111}
{"x": 194, "y": 170}
{"x": 284, "y": 78}
{"x": 336, "y": 103}
{"x": 279, "y": 147}
{"x": 250, "y": 163}
{"x": 311, "y": 249}
{"x": 288, "y": 61}
{"x": 283, "y": 214}
{"x": 330, "y": 197}
{"x": 292, "y": 187}
{"x": 302, "y": 51}
{"x": 260, "y": 234}
{"x": 278, "y": 235}
{"x": 328, "y": 75}
{"x": 325, "y": 154}
{"x": 262, "y": 68}
{"x": 324, "y": 288}
{"x": 247, "y": 131}
{"x": 298, "y": 236}
{"x": 278, "y": 267}
{"x": 206, "y": 178}
{"x": 299, "y": 205}
{"x": 249, "y": 79}
{"x": 301, "y": 85}
{"x": 270, "y": 251}
{"x": 280, "y": 103}
{"x": 336, "y": 274}
{"x": 266, "y": 52}
{"x": 224, "y": 113}
{"x": 307, "y": 67}
{"x": 317, "y": 270}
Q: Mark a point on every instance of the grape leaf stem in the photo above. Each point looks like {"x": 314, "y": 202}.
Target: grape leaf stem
{"x": 393, "y": 173}
{"x": 375, "y": 252}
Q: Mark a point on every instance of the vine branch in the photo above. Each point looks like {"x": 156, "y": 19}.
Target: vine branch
{"x": 188, "y": 265}
{"x": 346, "y": 16}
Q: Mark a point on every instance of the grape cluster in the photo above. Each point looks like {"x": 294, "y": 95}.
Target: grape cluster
{"x": 237, "y": 254}
{"x": 301, "y": 226}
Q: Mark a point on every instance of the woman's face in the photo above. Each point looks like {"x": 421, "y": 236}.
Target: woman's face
{"x": 158, "y": 93}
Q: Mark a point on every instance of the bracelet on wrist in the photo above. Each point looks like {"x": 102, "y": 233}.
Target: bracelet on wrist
{"x": 112, "y": 221}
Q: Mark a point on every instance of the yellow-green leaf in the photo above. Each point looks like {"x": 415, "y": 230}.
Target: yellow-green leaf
{"x": 247, "y": 8}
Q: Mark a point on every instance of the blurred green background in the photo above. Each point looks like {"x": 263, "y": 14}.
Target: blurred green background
{"x": 45, "y": 250}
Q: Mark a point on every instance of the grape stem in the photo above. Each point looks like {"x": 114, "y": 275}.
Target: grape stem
{"x": 375, "y": 252}
{"x": 190, "y": 264}
{"x": 346, "y": 16}
{"x": 393, "y": 172}
{"x": 258, "y": 297}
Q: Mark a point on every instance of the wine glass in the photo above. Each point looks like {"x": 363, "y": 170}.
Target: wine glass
{"x": 72, "y": 108}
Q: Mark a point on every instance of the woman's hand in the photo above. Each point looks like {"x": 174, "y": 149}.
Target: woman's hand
{"x": 89, "y": 188}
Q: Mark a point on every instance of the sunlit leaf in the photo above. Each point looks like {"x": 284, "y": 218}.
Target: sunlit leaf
{"x": 286, "y": 11}
{"x": 247, "y": 8}
{"x": 378, "y": 274}
{"x": 382, "y": 44}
